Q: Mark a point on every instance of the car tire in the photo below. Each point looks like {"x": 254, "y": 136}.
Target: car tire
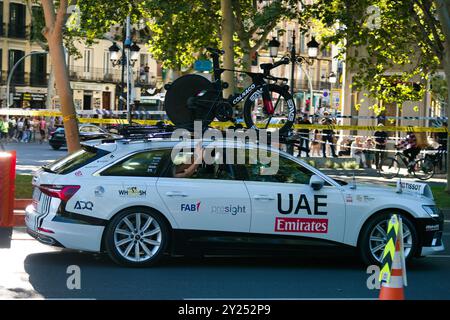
{"x": 121, "y": 240}
{"x": 368, "y": 240}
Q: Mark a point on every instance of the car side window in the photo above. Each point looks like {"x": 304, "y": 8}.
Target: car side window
{"x": 143, "y": 164}
{"x": 184, "y": 166}
{"x": 288, "y": 171}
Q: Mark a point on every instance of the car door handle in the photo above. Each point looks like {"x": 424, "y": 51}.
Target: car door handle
{"x": 176, "y": 194}
{"x": 263, "y": 197}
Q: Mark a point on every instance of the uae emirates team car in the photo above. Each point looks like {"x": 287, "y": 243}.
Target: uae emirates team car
{"x": 127, "y": 198}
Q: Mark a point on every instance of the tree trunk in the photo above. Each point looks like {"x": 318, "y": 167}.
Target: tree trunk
{"x": 246, "y": 61}
{"x": 53, "y": 33}
{"x": 50, "y": 88}
{"x": 447, "y": 76}
{"x": 227, "y": 43}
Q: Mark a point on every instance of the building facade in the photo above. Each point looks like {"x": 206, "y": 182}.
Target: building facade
{"x": 96, "y": 83}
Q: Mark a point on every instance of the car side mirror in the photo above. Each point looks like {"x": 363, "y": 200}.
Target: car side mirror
{"x": 316, "y": 182}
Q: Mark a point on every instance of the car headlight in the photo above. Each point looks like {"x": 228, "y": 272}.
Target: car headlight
{"x": 433, "y": 211}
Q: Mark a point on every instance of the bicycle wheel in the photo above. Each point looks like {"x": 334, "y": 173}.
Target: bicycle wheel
{"x": 176, "y": 101}
{"x": 283, "y": 116}
{"x": 423, "y": 169}
{"x": 389, "y": 168}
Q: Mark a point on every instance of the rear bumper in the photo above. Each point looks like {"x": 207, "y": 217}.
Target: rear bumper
{"x": 44, "y": 239}
{"x": 63, "y": 234}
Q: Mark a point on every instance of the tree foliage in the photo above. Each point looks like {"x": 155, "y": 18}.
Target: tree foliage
{"x": 388, "y": 44}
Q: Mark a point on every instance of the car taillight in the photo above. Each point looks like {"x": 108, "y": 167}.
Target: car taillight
{"x": 58, "y": 191}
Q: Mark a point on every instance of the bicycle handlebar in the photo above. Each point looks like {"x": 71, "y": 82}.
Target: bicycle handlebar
{"x": 284, "y": 60}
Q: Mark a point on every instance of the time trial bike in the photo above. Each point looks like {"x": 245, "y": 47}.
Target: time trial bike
{"x": 194, "y": 98}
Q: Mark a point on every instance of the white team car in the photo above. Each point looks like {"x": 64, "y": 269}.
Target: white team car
{"x": 128, "y": 199}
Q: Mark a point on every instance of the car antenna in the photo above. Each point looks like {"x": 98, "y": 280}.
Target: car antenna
{"x": 399, "y": 186}
{"x": 353, "y": 186}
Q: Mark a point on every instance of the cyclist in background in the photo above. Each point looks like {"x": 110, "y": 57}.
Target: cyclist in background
{"x": 410, "y": 147}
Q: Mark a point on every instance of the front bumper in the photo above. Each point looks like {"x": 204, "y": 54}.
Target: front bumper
{"x": 430, "y": 235}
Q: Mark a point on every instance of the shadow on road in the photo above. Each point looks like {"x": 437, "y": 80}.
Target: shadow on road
{"x": 303, "y": 276}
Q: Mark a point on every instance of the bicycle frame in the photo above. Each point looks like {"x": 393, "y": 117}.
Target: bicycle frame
{"x": 258, "y": 79}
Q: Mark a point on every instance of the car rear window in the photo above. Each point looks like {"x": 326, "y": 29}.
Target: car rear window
{"x": 74, "y": 161}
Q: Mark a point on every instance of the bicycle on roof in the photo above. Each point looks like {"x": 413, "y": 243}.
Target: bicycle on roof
{"x": 194, "y": 98}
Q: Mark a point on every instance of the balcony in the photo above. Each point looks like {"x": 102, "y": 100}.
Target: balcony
{"x": 317, "y": 85}
{"x": 100, "y": 75}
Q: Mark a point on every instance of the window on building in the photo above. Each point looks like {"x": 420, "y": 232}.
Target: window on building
{"x": 17, "y": 14}
{"x": 302, "y": 43}
{"x": 1, "y": 19}
{"x": 19, "y": 72}
{"x": 326, "y": 52}
{"x": 38, "y": 24}
{"x": 289, "y": 39}
{"x": 38, "y": 76}
{"x": 88, "y": 60}
{"x": 106, "y": 62}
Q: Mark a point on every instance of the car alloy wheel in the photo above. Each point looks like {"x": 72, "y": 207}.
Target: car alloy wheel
{"x": 378, "y": 239}
{"x": 136, "y": 237}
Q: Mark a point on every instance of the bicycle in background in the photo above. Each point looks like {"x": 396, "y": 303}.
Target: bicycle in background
{"x": 422, "y": 169}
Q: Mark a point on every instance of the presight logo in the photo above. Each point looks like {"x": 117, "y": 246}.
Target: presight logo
{"x": 190, "y": 207}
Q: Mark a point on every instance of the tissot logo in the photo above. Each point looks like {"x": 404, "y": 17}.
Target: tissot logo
{"x": 302, "y": 205}
{"x": 190, "y": 207}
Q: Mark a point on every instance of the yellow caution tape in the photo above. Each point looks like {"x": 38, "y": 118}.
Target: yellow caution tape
{"x": 389, "y": 250}
{"x": 224, "y": 125}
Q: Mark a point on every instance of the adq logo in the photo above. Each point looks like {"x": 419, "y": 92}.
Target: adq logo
{"x": 84, "y": 205}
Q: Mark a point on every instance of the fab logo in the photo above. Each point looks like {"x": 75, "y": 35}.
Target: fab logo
{"x": 190, "y": 207}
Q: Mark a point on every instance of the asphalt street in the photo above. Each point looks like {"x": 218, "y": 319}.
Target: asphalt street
{"x": 31, "y": 270}
{"x": 35, "y": 271}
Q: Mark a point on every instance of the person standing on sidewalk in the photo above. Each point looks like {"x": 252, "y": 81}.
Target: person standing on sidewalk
{"x": 42, "y": 127}
{"x": 328, "y": 135}
{"x": 380, "y": 144}
{"x": 304, "y": 137}
{"x": 4, "y": 129}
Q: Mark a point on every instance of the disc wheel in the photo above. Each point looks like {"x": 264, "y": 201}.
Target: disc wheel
{"x": 176, "y": 101}
{"x": 283, "y": 116}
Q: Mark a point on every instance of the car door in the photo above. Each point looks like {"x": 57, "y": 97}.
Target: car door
{"x": 283, "y": 203}
{"x": 210, "y": 199}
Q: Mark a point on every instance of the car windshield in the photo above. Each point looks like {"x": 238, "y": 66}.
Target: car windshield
{"x": 76, "y": 160}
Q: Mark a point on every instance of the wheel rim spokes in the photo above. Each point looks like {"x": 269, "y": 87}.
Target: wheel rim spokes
{"x": 378, "y": 240}
{"x": 142, "y": 240}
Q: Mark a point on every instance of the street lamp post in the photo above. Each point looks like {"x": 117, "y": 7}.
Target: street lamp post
{"x": 130, "y": 54}
{"x": 313, "y": 49}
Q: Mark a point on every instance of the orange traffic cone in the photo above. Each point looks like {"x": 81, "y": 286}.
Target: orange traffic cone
{"x": 394, "y": 289}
